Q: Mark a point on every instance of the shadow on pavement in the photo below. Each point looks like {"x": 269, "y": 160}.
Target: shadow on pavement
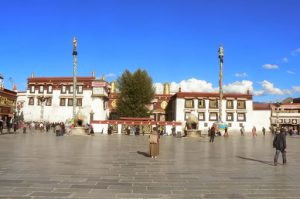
{"x": 255, "y": 160}
{"x": 143, "y": 153}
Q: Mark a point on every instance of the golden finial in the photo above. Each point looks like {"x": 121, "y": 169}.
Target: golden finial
{"x": 93, "y": 73}
{"x": 166, "y": 88}
{"x": 113, "y": 87}
{"x": 32, "y": 75}
{"x": 103, "y": 77}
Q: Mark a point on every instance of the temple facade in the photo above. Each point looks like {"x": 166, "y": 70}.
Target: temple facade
{"x": 50, "y": 99}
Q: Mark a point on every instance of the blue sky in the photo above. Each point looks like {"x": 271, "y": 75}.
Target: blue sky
{"x": 174, "y": 40}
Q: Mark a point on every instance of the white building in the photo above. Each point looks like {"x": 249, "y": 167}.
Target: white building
{"x": 237, "y": 110}
{"x": 51, "y": 99}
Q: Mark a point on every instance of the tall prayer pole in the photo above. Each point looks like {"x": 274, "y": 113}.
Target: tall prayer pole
{"x": 221, "y": 55}
{"x": 74, "y": 76}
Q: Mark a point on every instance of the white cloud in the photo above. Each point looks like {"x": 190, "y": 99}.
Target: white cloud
{"x": 196, "y": 85}
{"x": 241, "y": 74}
{"x": 290, "y": 72}
{"x": 259, "y": 93}
{"x": 269, "y": 88}
{"x": 296, "y": 89}
{"x": 189, "y": 85}
{"x": 111, "y": 75}
{"x": 296, "y": 52}
{"x": 270, "y": 66}
{"x": 285, "y": 60}
{"x": 239, "y": 87}
{"x": 159, "y": 88}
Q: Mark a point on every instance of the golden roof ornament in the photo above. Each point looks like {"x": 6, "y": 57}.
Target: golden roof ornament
{"x": 166, "y": 88}
{"x": 113, "y": 87}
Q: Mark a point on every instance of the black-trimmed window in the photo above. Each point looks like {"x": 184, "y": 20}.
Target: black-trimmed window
{"x": 241, "y": 117}
{"x": 187, "y": 115}
{"x": 229, "y": 117}
{"x": 189, "y": 103}
{"x": 50, "y": 89}
{"x": 32, "y": 89}
{"x": 201, "y": 103}
{"x": 71, "y": 90}
{"x": 229, "y": 104}
{"x": 213, "y": 103}
{"x": 70, "y": 102}
{"x": 80, "y": 89}
{"x": 41, "y": 89}
{"x": 63, "y": 89}
{"x": 48, "y": 101}
{"x": 201, "y": 116}
{"x": 79, "y": 102}
{"x": 213, "y": 116}
{"x": 31, "y": 101}
{"x": 241, "y": 104}
{"x": 62, "y": 102}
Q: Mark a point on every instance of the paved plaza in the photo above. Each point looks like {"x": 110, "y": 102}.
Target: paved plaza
{"x": 41, "y": 165}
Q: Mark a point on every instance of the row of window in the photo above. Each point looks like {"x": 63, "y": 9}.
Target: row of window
{"x": 214, "y": 103}
{"x": 213, "y": 116}
{"x": 49, "y": 89}
{"x": 48, "y": 101}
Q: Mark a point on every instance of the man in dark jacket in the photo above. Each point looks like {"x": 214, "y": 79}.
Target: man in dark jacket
{"x": 279, "y": 143}
{"x": 212, "y": 133}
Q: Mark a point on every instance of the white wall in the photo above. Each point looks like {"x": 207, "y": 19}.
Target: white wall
{"x": 235, "y": 125}
{"x": 57, "y": 113}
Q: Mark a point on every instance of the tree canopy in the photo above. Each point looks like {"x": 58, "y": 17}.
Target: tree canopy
{"x": 136, "y": 91}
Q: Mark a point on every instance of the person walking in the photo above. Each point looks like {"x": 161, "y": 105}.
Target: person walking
{"x": 264, "y": 130}
{"x": 1, "y": 125}
{"x": 212, "y": 133}
{"x": 242, "y": 131}
{"x": 226, "y": 132}
{"x": 154, "y": 143}
{"x": 279, "y": 143}
{"x": 254, "y": 131}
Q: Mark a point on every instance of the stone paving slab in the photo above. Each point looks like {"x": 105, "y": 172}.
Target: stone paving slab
{"x": 41, "y": 165}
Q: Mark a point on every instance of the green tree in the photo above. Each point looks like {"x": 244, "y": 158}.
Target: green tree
{"x": 136, "y": 91}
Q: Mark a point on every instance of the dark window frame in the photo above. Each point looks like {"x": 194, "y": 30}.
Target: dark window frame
{"x": 237, "y": 117}
{"x": 185, "y": 115}
{"x": 185, "y": 103}
{"x": 41, "y": 86}
{"x": 201, "y": 100}
{"x": 69, "y": 102}
{"x": 210, "y": 103}
{"x": 48, "y": 90}
{"x": 227, "y": 116}
{"x": 210, "y": 118}
{"x": 77, "y": 102}
{"x": 244, "y": 104}
{"x": 61, "y": 89}
{"x": 203, "y": 113}
{"x": 62, "y": 102}
{"x": 69, "y": 89}
{"x": 81, "y": 89}
{"x": 48, "y": 102}
{"x": 29, "y": 101}
{"x": 227, "y": 106}
{"x": 32, "y": 90}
